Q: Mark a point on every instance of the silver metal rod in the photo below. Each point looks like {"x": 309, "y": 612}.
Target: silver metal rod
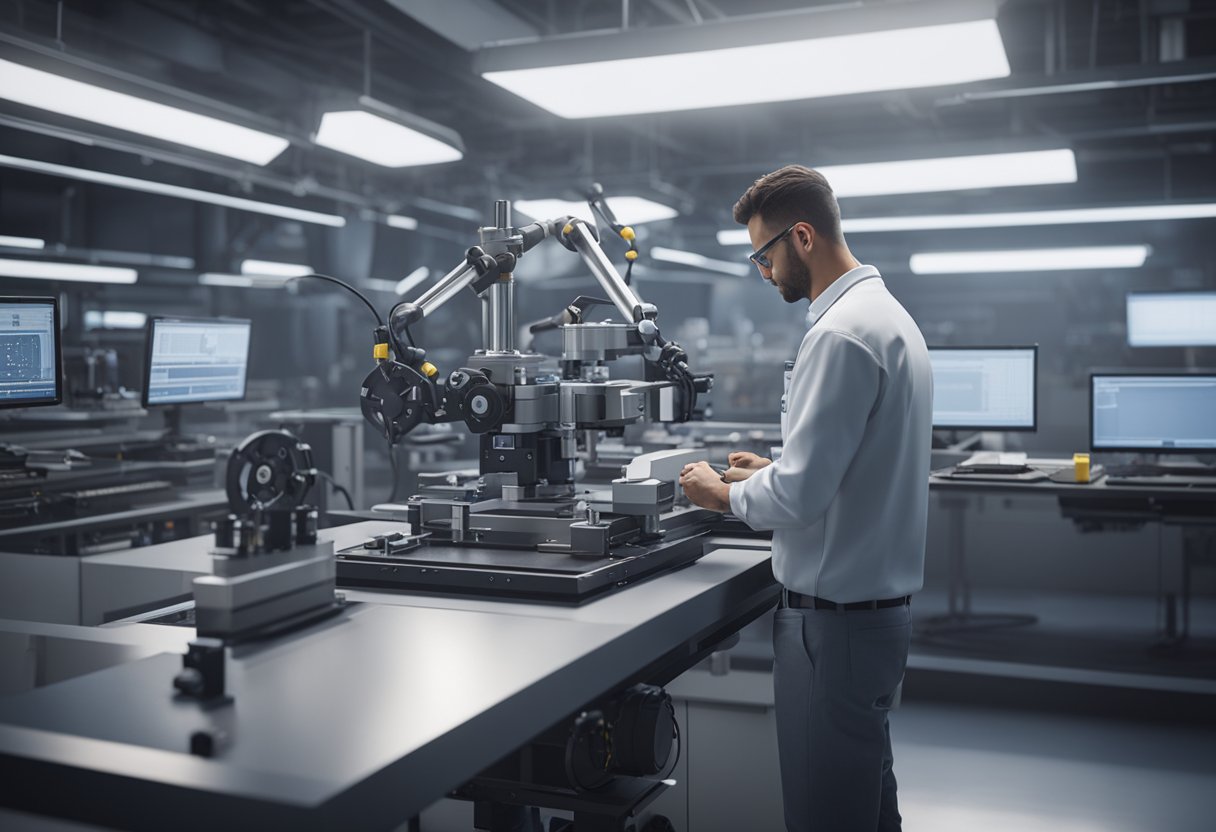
{"x": 607, "y": 275}
{"x": 499, "y": 320}
{"x": 446, "y": 288}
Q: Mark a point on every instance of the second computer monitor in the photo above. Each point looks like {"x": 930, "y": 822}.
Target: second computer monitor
{"x": 192, "y": 360}
{"x": 984, "y": 388}
{"x": 31, "y": 370}
{"x": 1152, "y": 412}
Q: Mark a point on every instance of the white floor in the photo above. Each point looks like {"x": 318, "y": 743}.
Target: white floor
{"x": 971, "y": 769}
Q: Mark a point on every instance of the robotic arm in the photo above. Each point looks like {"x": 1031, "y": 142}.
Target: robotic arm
{"x": 404, "y": 389}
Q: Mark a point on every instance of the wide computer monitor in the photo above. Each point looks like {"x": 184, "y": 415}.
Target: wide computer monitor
{"x": 189, "y": 361}
{"x": 985, "y": 388}
{"x": 31, "y": 366}
{"x": 1171, "y": 319}
{"x": 1152, "y": 412}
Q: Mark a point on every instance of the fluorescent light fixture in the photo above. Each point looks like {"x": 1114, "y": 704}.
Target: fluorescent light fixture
{"x": 412, "y": 280}
{"x": 48, "y": 270}
{"x": 21, "y": 242}
{"x": 382, "y": 134}
{"x": 242, "y": 281}
{"x": 114, "y": 319}
{"x": 669, "y": 68}
{"x": 955, "y": 173}
{"x": 161, "y": 189}
{"x": 272, "y": 268}
{"x": 1029, "y": 260}
{"x": 1171, "y": 319}
{"x": 47, "y": 91}
{"x": 699, "y": 261}
{"x": 401, "y": 221}
{"x": 378, "y": 285}
{"x": 629, "y": 210}
{"x": 1067, "y": 216}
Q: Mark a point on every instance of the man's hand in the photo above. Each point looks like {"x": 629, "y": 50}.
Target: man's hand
{"x": 704, "y": 487}
{"x": 743, "y": 464}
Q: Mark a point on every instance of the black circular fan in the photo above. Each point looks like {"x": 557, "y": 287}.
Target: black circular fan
{"x": 270, "y": 471}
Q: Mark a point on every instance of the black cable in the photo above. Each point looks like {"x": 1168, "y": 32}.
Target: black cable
{"x": 336, "y": 487}
{"x": 344, "y": 285}
{"x": 392, "y": 464}
{"x": 392, "y": 339}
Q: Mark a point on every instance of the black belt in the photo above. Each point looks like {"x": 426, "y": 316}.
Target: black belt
{"x": 810, "y": 602}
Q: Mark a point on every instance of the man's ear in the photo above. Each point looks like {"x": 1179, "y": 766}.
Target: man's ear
{"x": 804, "y": 233}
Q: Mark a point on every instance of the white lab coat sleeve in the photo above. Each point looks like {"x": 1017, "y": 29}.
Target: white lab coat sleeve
{"x": 835, "y": 387}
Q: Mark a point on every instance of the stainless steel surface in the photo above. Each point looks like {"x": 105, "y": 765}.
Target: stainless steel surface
{"x": 602, "y": 269}
{"x": 372, "y": 715}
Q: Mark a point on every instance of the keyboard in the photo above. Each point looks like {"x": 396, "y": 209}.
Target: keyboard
{"x": 1163, "y": 481}
{"x": 992, "y": 468}
{"x": 116, "y": 497}
{"x": 1143, "y": 469}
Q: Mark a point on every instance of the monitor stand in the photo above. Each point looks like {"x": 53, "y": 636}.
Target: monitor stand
{"x": 174, "y": 445}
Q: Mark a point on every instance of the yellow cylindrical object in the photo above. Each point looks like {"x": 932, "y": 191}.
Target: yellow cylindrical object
{"x": 380, "y": 352}
{"x": 1080, "y": 464}
{"x": 569, "y": 227}
{"x": 627, "y": 233}
{"x": 631, "y": 255}
{"x": 429, "y": 369}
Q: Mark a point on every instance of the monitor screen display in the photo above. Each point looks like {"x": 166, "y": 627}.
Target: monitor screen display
{"x": 984, "y": 388}
{"x": 31, "y": 371}
{"x": 1171, "y": 319}
{"x": 1152, "y": 413}
{"x": 190, "y": 361}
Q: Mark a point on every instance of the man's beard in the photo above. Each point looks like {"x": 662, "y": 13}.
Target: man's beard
{"x": 796, "y": 284}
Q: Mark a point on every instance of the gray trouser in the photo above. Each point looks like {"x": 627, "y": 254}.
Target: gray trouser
{"x": 836, "y": 675}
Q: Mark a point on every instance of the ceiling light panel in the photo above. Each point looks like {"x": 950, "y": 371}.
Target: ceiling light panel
{"x": 57, "y": 94}
{"x": 22, "y": 242}
{"x": 162, "y": 189}
{"x": 666, "y": 69}
{"x": 629, "y": 210}
{"x": 1011, "y": 219}
{"x": 79, "y": 272}
{"x": 957, "y": 173}
{"x": 699, "y": 261}
{"x": 1029, "y": 260}
{"x": 273, "y": 268}
{"x": 381, "y": 141}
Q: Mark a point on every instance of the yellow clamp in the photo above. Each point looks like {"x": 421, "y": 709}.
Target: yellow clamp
{"x": 1080, "y": 464}
{"x": 627, "y": 233}
{"x": 631, "y": 255}
{"x": 429, "y": 369}
{"x": 380, "y": 352}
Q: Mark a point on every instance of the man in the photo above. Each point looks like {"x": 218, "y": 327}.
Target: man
{"x": 847, "y": 502}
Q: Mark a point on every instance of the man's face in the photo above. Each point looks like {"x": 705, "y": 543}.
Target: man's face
{"x": 789, "y": 273}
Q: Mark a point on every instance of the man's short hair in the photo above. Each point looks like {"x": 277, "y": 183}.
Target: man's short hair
{"x": 792, "y": 194}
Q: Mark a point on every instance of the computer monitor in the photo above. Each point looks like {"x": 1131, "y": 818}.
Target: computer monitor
{"x": 1171, "y": 319}
{"x": 985, "y": 388}
{"x": 31, "y": 365}
{"x": 195, "y": 360}
{"x": 1152, "y": 412}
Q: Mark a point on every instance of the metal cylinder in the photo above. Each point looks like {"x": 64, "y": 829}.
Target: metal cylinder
{"x": 605, "y": 273}
{"x": 498, "y": 316}
{"x": 502, "y": 213}
{"x": 445, "y": 288}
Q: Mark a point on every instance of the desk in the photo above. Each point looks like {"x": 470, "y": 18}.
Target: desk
{"x": 1092, "y": 506}
{"x": 361, "y": 720}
